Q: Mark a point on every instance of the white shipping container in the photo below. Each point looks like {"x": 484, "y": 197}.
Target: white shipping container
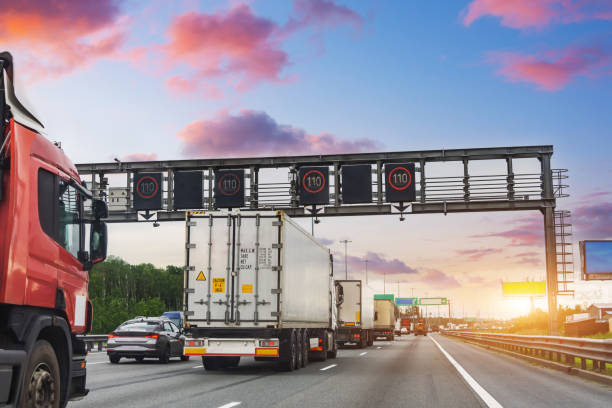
{"x": 357, "y": 308}
{"x": 258, "y": 270}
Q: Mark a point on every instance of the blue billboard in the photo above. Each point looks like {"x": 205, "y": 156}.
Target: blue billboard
{"x": 596, "y": 259}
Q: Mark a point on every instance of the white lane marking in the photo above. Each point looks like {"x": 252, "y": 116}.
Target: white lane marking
{"x": 328, "y": 367}
{"x": 230, "y": 404}
{"x": 378, "y": 347}
{"x": 482, "y": 393}
{"x": 364, "y": 353}
{"x": 200, "y": 366}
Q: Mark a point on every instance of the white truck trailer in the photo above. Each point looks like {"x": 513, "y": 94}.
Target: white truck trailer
{"x": 355, "y": 313}
{"x": 385, "y": 315}
{"x": 257, "y": 284}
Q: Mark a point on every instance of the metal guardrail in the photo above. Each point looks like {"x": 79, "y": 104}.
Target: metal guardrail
{"x": 553, "y": 348}
{"x": 91, "y": 339}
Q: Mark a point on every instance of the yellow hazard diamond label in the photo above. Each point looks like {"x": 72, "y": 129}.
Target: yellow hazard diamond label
{"x": 218, "y": 285}
{"x": 247, "y": 288}
{"x": 201, "y": 276}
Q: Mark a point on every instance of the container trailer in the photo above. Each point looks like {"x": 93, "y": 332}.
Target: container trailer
{"x": 355, "y": 313}
{"x": 257, "y": 284}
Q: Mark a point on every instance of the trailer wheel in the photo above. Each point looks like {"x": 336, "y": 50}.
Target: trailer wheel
{"x": 299, "y": 355}
{"x": 370, "y": 340}
{"x": 305, "y": 347}
{"x": 210, "y": 363}
{"x": 289, "y": 351}
{"x": 42, "y": 377}
{"x": 334, "y": 352}
{"x": 114, "y": 359}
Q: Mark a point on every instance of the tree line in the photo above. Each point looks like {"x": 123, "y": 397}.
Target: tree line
{"x": 120, "y": 291}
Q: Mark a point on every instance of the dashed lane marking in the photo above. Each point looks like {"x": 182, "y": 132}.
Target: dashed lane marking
{"x": 230, "y": 404}
{"x": 200, "y": 366}
{"x": 482, "y": 393}
{"x": 328, "y": 367}
{"x": 364, "y": 353}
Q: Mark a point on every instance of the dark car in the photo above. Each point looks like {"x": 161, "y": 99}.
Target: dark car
{"x": 152, "y": 337}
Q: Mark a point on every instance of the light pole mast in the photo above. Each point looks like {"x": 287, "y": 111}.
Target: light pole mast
{"x": 366, "y": 271}
{"x": 346, "y": 242}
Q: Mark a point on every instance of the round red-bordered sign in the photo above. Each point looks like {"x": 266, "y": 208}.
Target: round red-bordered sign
{"x": 225, "y": 193}
{"x": 322, "y": 184}
{"x": 143, "y": 195}
{"x": 407, "y": 184}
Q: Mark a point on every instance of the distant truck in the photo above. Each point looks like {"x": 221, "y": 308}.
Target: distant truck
{"x": 420, "y": 327}
{"x": 384, "y": 318}
{"x": 257, "y": 285}
{"x": 355, "y": 313}
{"x": 405, "y": 323}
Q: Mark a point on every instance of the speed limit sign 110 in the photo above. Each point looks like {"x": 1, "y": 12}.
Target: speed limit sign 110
{"x": 229, "y": 188}
{"x": 147, "y": 191}
{"x": 314, "y": 185}
{"x": 400, "y": 182}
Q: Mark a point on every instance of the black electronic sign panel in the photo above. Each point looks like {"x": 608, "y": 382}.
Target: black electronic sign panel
{"x": 400, "y": 182}
{"x": 229, "y": 188}
{"x": 313, "y": 185}
{"x": 188, "y": 190}
{"x": 147, "y": 191}
{"x": 356, "y": 183}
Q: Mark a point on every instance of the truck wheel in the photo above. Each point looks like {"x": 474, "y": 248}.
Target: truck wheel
{"x": 299, "y": 350}
{"x": 289, "y": 352}
{"x": 139, "y": 359}
{"x": 42, "y": 378}
{"x": 210, "y": 363}
{"x": 334, "y": 352}
{"x": 305, "y": 347}
{"x": 114, "y": 359}
{"x": 370, "y": 340}
{"x": 184, "y": 358}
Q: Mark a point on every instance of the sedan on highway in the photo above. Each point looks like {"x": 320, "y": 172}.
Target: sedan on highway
{"x": 146, "y": 337}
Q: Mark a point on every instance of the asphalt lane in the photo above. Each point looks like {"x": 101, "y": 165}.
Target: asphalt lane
{"x": 517, "y": 383}
{"x": 408, "y": 372}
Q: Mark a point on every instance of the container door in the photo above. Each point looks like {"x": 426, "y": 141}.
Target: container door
{"x": 209, "y": 265}
{"x": 256, "y": 276}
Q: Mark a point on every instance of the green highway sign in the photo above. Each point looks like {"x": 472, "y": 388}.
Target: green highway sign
{"x": 434, "y": 301}
{"x": 387, "y": 297}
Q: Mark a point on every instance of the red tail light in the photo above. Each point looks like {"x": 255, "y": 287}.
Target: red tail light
{"x": 320, "y": 341}
{"x": 357, "y": 336}
{"x": 111, "y": 336}
{"x": 154, "y": 336}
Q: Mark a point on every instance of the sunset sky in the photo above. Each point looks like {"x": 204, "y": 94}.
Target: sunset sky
{"x": 139, "y": 80}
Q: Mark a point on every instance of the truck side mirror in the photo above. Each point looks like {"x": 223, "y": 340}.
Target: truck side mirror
{"x": 98, "y": 241}
{"x": 99, "y": 209}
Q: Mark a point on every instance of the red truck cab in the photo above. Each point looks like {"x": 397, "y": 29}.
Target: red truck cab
{"x": 46, "y": 248}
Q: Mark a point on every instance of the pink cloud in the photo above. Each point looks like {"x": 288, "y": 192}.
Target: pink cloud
{"x": 253, "y": 133}
{"x": 477, "y": 254}
{"x": 440, "y": 280}
{"x": 593, "y": 220}
{"x": 479, "y": 280}
{"x": 377, "y": 264}
{"x": 553, "y": 70}
{"x": 321, "y": 13}
{"x": 54, "y": 38}
{"x": 134, "y": 157}
{"x": 532, "y": 258}
{"x": 527, "y": 231}
{"x": 538, "y": 13}
{"x": 238, "y": 47}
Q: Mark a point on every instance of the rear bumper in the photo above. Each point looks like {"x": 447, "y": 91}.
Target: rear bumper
{"x": 247, "y": 347}
{"x": 349, "y": 335}
{"x": 11, "y": 363}
{"x": 382, "y": 332}
{"x": 133, "y": 351}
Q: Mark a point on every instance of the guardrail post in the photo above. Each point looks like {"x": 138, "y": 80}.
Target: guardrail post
{"x": 583, "y": 364}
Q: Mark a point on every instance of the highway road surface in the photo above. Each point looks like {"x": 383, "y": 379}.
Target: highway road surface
{"x": 432, "y": 371}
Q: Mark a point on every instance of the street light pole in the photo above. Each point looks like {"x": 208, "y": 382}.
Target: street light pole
{"x": 385, "y": 282}
{"x": 366, "y": 270}
{"x": 345, "y": 242}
